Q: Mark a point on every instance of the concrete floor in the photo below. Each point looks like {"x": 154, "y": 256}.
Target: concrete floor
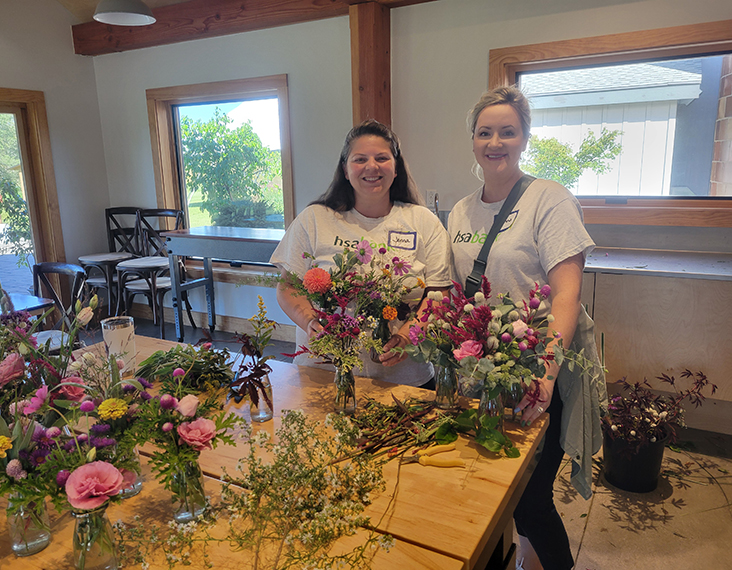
{"x": 685, "y": 524}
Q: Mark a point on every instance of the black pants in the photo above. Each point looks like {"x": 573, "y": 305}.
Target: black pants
{"x": 535, "y": 516}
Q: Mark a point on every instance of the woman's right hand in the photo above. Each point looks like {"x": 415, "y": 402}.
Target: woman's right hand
{"x": 313, "y": 328}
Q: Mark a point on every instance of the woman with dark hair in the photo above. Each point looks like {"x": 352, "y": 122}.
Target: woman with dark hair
{"x": 372, "y": 197}
{"x": 542, "y": 240}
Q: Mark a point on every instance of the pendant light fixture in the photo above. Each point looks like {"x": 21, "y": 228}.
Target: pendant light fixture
{"x": 124, "y": 13}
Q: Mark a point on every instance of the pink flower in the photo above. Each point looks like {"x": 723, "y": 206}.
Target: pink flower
{"x": 401, "y": 267}
{"x": 11, "y": 368}
{"x": 91, "y": 485}
{"x": 167, "y": 426}
{"x": 545, "y": 291}
{"x": 364, "y": 253}
{"x": 87, "y": 406}
{"x": 37, "y": 401}
{"x": 468, "y": 348}
{"x": 206, "y": 346}
{"x": 523, "y": 345}
{"x": 178, "y": 372}
{"x": 317, "y": 280}
{"x": 198, "y": 434}
{"x": 520, "y": 328}
{"x": 69, "y": 392}
{"x": 534, "y": 303}
{"x": 505, "y": 337}
{"x": 188, "y": 405}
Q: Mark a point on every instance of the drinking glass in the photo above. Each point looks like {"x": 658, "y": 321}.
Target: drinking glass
{"x": 119, "y": 339}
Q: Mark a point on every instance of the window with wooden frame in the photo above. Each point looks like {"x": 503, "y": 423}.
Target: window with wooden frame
{"x": 644, "y": 84}
{"x": 28, "y": 109}
{"x": 221, "y": 152}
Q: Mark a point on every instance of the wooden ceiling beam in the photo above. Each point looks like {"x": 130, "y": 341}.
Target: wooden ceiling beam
{"x": 198, "y": 19}
{"x": 371, "y": 62}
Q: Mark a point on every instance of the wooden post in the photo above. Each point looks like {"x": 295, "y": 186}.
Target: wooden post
{"x": 371, "y": 62}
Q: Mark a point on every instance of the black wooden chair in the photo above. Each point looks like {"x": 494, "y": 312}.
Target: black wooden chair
{"x": 44, "y": 285}
{"x": 149, "y": 274}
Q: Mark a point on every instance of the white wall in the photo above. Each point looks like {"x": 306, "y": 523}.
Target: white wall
{"x": 316, "y": 58}
{"x": 36, "y": 53}
{"x": 440, "y": 65}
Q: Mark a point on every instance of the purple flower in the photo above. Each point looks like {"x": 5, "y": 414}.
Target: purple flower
{"x": 99, "y": 442}
{"x": 145, "y": 396}
{"x": 127, "y": 388}
{"x": 178, "y": 372}
{"x": 523, "y": 345}
{"x": 382, "y": 250}
{"x": 69, "y": 445}
{"x": 505, "y": 337}
{"x": 375, "y": 295}
{"x": 61, "y": 477}
{"x": 534, "y": 303}
{"x": 545, "y": 291}
{"x": 168, "y": 402}
{"x": 167, "y": 426}
{"x": 42, "y": 439}
{"x": 87, "y": 406}
{"x": 99, "y": 429}
{"x": 364, "y": 253}
{"x": 144, "y": 383}
{"x": 38, "y": 456}
{"x": 416, "y": 335}
{"x": 401, "y": 267}
{"x": 82, "y": 437}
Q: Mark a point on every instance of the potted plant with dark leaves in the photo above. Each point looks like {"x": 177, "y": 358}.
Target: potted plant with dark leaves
{"x": 639, "y": 424}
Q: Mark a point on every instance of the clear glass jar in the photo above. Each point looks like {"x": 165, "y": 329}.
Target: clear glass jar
{"x": 187, "y": 486}
{"x": 94, "y": 545}
{"x": 345, "y": 397}
{"x": 492, "y": 405}
{"x": 446, "y": 387}
{"x": 28, "y": 525}
{"x": 262, "y": 411}
{"x": 133, "y": 478}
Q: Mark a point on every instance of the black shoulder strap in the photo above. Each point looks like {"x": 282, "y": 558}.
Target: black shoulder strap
{"x": 473, "y": 281}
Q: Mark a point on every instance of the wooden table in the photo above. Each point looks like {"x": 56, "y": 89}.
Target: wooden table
{"x": 209, "y": 243}
{"x": 30, "y": 303}
{"x": 440, "y": 518}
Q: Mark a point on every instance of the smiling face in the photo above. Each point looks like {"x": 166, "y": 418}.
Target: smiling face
{"x": 498, "y": 142}
{"x": 371, "y": 169}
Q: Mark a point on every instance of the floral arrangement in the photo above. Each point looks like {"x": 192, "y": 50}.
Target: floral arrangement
{"x": 249, "y": 378}
{"x": 287, "y": 510}
{"x": 639, "y": 416}
{"x": 493, "y": 347}
{"x": 206, "y": 369}
{"x": 373, "y": 285}
{"x": 181, "y": 426}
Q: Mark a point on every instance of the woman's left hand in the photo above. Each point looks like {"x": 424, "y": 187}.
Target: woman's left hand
{"x": 531, "y": 404}
{"x": 390, "y": 358}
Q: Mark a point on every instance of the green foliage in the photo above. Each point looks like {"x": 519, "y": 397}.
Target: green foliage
{"x": 240, "y": 180}
{"x": 548, "y": 158}
{"x": 13, "y": 208}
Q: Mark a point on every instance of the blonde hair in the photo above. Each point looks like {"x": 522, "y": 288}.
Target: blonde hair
{"x": 503, "y": 96}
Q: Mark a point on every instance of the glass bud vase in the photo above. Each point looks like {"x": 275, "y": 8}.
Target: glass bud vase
{"x": 187, "y": 486}
{"x": 133, "y": 479}
{"x": 345, "y": 397}
{"x": 446, "y": 387}
{"x": 262, "y": 411}
{"x": 491, "y": 405}
{"x": 28, "y": 525}
{"x": 513, "y": 396}
{"x": 94, "y": 546}
{"x": 381, "y": 332}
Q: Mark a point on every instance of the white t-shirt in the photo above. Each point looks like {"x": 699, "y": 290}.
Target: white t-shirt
{"x": 544, "y": 228}
{"x": 411, "y": 232}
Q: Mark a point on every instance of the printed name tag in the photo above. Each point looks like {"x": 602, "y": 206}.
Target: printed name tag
{"x": 403, "y": 240}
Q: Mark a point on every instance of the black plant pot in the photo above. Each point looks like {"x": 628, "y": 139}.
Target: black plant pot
{"x": 630, "y": 470}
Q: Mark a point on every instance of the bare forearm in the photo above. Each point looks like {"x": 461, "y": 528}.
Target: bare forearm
{"x": 295, "y": 306}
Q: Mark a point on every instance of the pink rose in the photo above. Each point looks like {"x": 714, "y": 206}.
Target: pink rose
{"x": 198, "y": 433}
{"x": 11, "y": 368}
{"x": 37, "y": 401}
{"x": 69, "y": 392}
{"x": 91, "y": 485}
{"x": 468, "y": 348}
{"x": 188, "y": 405}
{"x": 519, "y": 328}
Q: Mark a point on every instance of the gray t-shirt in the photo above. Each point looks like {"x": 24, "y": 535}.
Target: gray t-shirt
{"x": 544, "y": 228}
{"x": 411, "y": 232}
